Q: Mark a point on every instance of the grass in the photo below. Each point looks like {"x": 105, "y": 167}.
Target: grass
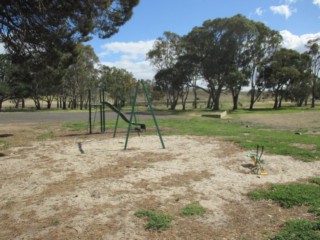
{"x": 45, "y": 136}
{"x": 157, "y": 221}
{"x": 281, "y": 142}
{"x": 290, "y": 195}
{"x": 193, "y": 209}
{"x": 4, "y": 144}
{"x": 299, "y": 229}
{"x": 275, "y": 142}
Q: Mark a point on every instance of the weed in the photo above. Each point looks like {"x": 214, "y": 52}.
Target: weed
{"x": 9, "y": 204}
{"x": 280, "y": 142}
{"x": 76, "y": 126}
{"x": 156, "y": 220}
{"x": 45, "y": 136}
{"x": 55, "y": 222}
{"x": 295, "y": 194}
{"x": 299, "y": 229}
{"x": 315, "y": 180}
{"x": 289, "y": 195}
{"x": 4, "y": 145}
{"x": 193, "y": 209}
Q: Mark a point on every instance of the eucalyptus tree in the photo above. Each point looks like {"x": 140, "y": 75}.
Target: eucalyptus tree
{"x": 241, "y": 34}
{"x": 80, "y": 76}
{"x": 5, "y": 68}
{"x": 266, "y": 42}
{"x": 172, "y": 80}
{"x": 117, "y": 82}
{"x": 314, "y": 52}
{"x": 281, "y": 73}
{"x": 38, "y": 27}
{"x": 206, "y": 50}
{"x": 215, "y": 47}
{"x": 164, "y": 56}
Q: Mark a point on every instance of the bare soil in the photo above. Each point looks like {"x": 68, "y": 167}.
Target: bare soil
{"x": 299, "y": 121}
{"x": 88, "y": 187}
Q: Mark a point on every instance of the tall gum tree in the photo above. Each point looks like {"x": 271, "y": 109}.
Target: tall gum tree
{"x": 266, "y": 43}
{"x": 164, "y": 56}
{"x": 314, "y": 53}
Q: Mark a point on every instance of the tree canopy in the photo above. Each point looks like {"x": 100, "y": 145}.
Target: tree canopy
{"x": 39, "y": 26}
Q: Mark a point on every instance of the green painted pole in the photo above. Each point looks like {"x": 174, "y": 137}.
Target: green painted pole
{"x": 131, "y": 116}
{"x": 152, "y": 112}
{"x": 90, "y": 119}
{"x": 101, "y": 118}
{"x": 103, "y": 113}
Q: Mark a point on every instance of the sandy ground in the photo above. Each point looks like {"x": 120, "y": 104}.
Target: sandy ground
{"x": 87, "y": 188}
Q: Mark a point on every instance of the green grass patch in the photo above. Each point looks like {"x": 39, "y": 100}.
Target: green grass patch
{"x": 193, "y": 209}
{"x": 4, "y": 144}
{"x": 289, "y": 195}
{"x": 315, "y": 180}
{"x": 274, "y": 141}
{"x": 157, "y": 221}
{"x": 76, "y": 126}
{"x": 299, "y": 229}
{"x": 45, "y": 136}
{"x": 295, "y": 194}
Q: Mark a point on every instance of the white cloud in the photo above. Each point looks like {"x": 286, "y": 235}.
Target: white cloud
{"x": 295, "y": 42}
{"x": 2, "y": 49}
{"x": 282, "y": 10}
{"x": 130, "y": 56}
{"x": 316, "y": 2}
{"x": 128, "y": 50}
{"x": 290, "y": 1}
{"x": 140, "y": 70}
{"x": 259, "y": 11}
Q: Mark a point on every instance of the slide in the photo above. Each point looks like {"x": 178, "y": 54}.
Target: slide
{"x": 121, "y": 114}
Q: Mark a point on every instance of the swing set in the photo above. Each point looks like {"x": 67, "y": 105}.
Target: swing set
{"x": 132, "y": 120}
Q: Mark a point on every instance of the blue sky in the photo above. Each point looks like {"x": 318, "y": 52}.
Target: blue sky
{"x": 297, "y": 20}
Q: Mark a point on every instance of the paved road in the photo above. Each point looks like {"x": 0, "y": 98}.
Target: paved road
{"x": 57, "y": 117}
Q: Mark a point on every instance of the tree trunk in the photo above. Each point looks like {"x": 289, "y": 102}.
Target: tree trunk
{"x": 216, "y": 106}
{"x": 235, "y": 98}
{"x": 275, "y": 105}
{"x": 195, "y": 101}
{"x": 173, "y": 104}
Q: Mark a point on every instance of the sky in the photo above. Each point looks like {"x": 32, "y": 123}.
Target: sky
{"x": 296, "y": 20}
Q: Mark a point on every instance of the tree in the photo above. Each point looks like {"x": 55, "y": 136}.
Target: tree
{"x": 80, "y": 76}
{"x": 5, "y": 68}
{"x": 213, "y": 52}
{"x": 267, "y": 41}
{"x": 164, "y": 56}
{"x": 171, "y": 81}
{"x": 241, "y": 34}
{"x": 281, "y": 73}
{"x": 117, "y": 83}
{"x": 300, "y": 90}
{"x": 314, "y": 52}
{"x": 42, "y": 26}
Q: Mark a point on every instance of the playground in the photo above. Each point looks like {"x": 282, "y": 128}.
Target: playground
{"x": 89, "y": 187}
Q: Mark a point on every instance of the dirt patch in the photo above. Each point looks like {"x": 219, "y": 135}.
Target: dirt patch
{"x": 300, "y": 121}
{"x": 58, "y": 190}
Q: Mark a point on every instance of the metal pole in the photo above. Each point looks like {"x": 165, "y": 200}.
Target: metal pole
{"x": 152, "y": 112}
{"x": 100, "y": 97}
{"x": 131, "y": 116}
{"x": 90, "y": 120}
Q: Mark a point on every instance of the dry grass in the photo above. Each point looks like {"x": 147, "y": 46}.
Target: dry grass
{"x": 81, "y": 198}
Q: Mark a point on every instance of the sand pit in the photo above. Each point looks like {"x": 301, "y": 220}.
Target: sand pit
{"x": 90, "y": 188}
